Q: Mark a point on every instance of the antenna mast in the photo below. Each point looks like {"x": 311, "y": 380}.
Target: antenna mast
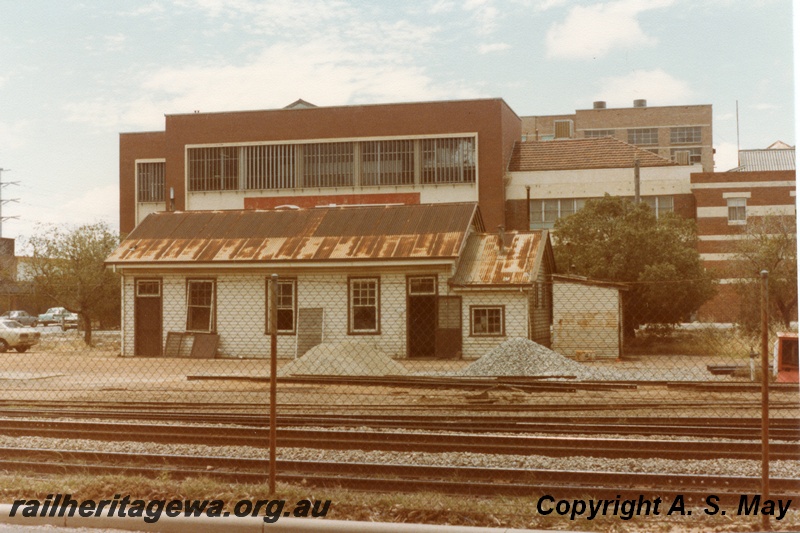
{"x": 5, "y": 201}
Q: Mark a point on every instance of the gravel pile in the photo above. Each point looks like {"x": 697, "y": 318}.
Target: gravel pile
{"x": 344, "y": 359}
{"x": 522, "y": 357}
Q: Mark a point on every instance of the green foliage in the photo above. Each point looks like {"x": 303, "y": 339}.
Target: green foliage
{"x": 613, "y": 239}
{"x": 769, "y": 243}
{"x": 67, "y": 266}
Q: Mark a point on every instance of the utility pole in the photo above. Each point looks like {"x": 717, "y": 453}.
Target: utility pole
{"x": 5, "y": 201}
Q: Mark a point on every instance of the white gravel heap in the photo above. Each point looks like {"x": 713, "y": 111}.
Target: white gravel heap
{"x": 522, "y": 357}
{"x": 349, "y": 358}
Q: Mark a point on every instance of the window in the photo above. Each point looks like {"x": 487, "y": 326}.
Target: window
{"x": 329, "y": 165}
{"x": 150, "y": 179}
{"x": 150, "y": 288}
{"x": 448, "y": 160}
{"x": 596, "y": 134}
{"x": 319, "y": 165}
{"x": 643, "y": 136}
{"x": 422, "y": 285}
{"x": 387, "y": 162}
{"x": 562, "y": 129}
{"x": 487, "y": 321}
{"x": 364, "y": 306}
{"x": 269, "y": 166}
{"x": 685, "y": 135}
{"x": 200, "y": 305}
{"x": 686, "y": 156}
{"x": 737, "y": 210}
{"x": 544, "y": 213}
{"x": 660, "y": 204}
{"x": 286, "y": 297}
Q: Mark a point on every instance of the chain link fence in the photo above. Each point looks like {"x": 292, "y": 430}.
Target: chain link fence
{"x": 405, "y": 348}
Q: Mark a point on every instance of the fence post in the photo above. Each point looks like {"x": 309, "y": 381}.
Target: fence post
{"x": 764, "y": 395}
{"x": 273, "y": 379}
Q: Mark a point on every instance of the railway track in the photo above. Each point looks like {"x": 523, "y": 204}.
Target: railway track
{"x": 554, "y": 446}
{"x": 400, "y": 477}
{"x": 744, "y": 429}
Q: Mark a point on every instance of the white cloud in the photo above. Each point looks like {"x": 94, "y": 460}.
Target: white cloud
{"x": 656, "y": 86}
{"x": 765, "y": 107}
{"x": 488, "y": 48}
{"x": 14, "y": 134}
{"x": 484, "y": 14}
{"x": 593, "y": 31}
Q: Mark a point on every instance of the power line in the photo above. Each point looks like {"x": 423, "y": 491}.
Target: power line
{"x": 5, "y": 201}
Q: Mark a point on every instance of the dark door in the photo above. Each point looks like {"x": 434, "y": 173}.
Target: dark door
{"x": 421, "y": 316}
{"x": 448, "y": 328}
{"x": 147, "y": 318}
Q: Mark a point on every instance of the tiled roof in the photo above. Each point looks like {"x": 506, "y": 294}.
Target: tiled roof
{"x": 576, "y": 154}
{"x": 484, "y": 263}
{"x": 360, "y": 233}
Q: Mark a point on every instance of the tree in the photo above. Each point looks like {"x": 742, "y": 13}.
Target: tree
{"x": 67, "y": 266}
{"x": 613, "y": 239}
{"x": 768, "y": 243}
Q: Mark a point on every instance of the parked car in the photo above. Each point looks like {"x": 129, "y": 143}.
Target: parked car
{"x": 23, "y": 317}
{"x": 15, "y": 335}
{"x": 69, "y": 321}
{"x": 54, "y": 315}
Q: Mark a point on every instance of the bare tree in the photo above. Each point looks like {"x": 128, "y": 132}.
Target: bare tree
{"x": 68, "y": 266}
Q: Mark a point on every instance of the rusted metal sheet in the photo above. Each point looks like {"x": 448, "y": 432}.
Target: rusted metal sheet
{"x": 322, "y": 234}
{"x": 485, "y": 263}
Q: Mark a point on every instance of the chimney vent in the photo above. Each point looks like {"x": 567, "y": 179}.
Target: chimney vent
{"x": 501, "y": 231}
{"x": 599, "y": 104}
{"x": 640, "y": 103}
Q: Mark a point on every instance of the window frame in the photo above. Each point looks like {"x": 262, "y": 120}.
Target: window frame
{"x": 351, "y": 307}
{"x": 151, "y": 178}
{"x": 737, "y": 220}
{"x": 281, "y": 281}
{"x": 410, "y": 291}
{"x": 489, "y": 333}
{"x": 212, "y": 307}
{"x": 685, "y": 135}
{"x": 643, "y": 136}
{"x": 147, "y": 281}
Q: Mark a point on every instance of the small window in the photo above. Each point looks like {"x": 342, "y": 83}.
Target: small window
{"x": 563, "y": 129}
{"x": 598, "y": 134}
{"x": 364, "y": 306}
{"x": 200, "y": 305}
{"x": 150, "y": 179}
{"x": 422, "y": 285}
{"x": 643, "y": 136}
{"x": 487, "y": 321}
{"x": 150, "y": 288}
{"x": 286, "y": 297}
{"x": 737, "y": 210}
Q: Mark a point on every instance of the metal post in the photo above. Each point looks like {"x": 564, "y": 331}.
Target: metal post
{"x": 273, "y": 380}
{"x": 764, "y": 395}
{"x": 528, "y": 205}
{"x": 636, "y": 181}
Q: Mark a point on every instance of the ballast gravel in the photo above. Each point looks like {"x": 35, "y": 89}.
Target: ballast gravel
{"x": 728, "y": 467}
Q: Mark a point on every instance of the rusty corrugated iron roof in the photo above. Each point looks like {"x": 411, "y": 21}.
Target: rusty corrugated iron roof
{"x": 483, "y": 262}
{"x": 322, "y": 234}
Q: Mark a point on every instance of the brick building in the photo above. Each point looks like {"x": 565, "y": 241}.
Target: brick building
{"x": 680, "y": 133}
{"x": 430, "y": 152}
{"x": 726, "y": 203}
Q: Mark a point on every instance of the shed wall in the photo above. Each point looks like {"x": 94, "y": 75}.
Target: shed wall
{"x": 587, "y": 318}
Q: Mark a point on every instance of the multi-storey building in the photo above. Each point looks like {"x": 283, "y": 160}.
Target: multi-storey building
{"x": 680, "y": 133}
{"x": 763, "y": 185}
{"x": 549, "y": 180}
{"x": 410, "y": 153}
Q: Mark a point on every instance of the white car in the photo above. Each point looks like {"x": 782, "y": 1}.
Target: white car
{"x": 15, "y": 335}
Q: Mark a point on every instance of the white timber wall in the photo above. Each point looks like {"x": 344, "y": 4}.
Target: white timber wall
{"x": 516, "y": 319}
{"x": 586, "y": 318}
{"x": 241, "y": 311}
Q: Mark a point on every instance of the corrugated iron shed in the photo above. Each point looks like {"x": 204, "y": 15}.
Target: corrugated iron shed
{"x": 484, "y": 263}
{"x": 767, "y": 159}
{"x": 296, "y": 235}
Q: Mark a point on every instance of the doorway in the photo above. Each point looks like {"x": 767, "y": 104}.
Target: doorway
{"x": 147, "y": 318}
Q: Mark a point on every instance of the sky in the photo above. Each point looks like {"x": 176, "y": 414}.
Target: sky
{"x": 73, "y": 75}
